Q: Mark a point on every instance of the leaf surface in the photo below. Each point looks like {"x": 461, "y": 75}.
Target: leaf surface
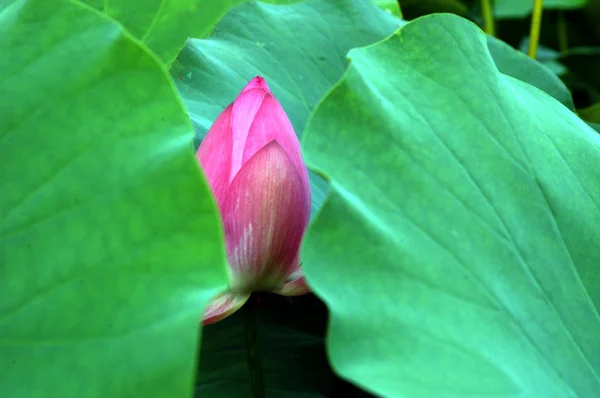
{"x": 165, "y": 25}
{"x": 456, "y": 251}
{"x": 110, "y": 245}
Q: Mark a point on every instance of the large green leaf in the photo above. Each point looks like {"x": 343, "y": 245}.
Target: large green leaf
{"x": 518, "y": 65}
{"x": 463, "y": 205}
{"x": 300, "y": 49}
{"x": 522, "y": 8}
{"x": 110, "y": 245}
{"x": 165, "y": 25}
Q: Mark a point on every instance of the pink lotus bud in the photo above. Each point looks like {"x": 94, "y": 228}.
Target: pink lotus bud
{"x": 251, "y": 158}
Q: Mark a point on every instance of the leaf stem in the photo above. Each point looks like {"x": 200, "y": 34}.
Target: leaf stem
{"x": 488, "y": 17}
{"x": 536, "y": 23}
{"x": 561, "y": 31}
{"x": 253, "y": 349}
{"x": 401, "y": 16}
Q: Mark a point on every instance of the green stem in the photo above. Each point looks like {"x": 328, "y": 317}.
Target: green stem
{"x": 536, "y": 23}
{"x": 488, "y": 17}
{"x": 561, "y": 31}
{"x": 401, "y": 16}
{"x": 253, "y": 349}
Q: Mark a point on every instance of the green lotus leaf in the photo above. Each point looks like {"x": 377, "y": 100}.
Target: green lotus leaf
{"x": 110, "y": 244}
{"x": 457, "y": 248}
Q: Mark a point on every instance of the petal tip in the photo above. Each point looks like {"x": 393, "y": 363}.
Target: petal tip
{"x": 223, "y": 306}
{"x": 257, "y": 82}
{"x": 295, "y": 286}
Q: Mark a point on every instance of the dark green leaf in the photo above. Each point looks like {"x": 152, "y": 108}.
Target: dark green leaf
{"x": 300, "y": 49}
{"x": 585, "y": 63}
{"x": 518, "y": 65}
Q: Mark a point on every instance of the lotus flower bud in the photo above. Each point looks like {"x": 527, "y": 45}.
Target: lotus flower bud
{"x": 252, "y": 160}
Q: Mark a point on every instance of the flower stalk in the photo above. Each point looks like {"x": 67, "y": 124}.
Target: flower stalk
{"x": 253, "y": 357}
{"x": 488, "y": 17}
{"x": 536, "y": 26}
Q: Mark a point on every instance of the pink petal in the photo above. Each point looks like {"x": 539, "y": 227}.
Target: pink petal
{"x": 272, "y": 124}
{"x": 244, "y": 110}
{"x": 214, "y": 154}
{"x": 265, "y": 216}
{"x": 223, "y": 306}
{"x": 257, "y": 119}
{"x": 295, "y": 286}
